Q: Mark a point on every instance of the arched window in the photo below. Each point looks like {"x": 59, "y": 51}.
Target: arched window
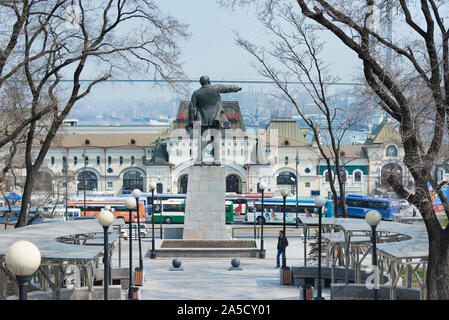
{"x": 357, "y": 176}
{"x": 133, "y": 180}
{"x": 132, "y": 160}
{"x": 109, "y": 160}
{"x": 121, "y": 160}
{"x": 440, "y": 175}
{"x": 52, "y": 160}
{"x": 343, "y": 174}
{"x": 44, "y": 180}
{"x": 286, "y": 177}
{"x": 233, "y": 183}
{"x": 327, "y": 177}
{"x": 392, "y": 151}
{"x": 98, "y": 161}
{"x": 87, "y": 180}
{"x": 286, "y": 160}
{"x": 75, "y": 160}
{"x": 390, "y": 169}
{"x": 183, "y": 181}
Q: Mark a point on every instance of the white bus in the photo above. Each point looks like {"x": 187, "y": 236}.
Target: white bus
{"x": 173, "y": 211}
{"x": 274, "y": 211}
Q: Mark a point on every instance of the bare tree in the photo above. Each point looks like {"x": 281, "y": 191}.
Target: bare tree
{"x": 421, "y": 64}
{"x": 296, "y": 53}
{"x": 63, "y": 40}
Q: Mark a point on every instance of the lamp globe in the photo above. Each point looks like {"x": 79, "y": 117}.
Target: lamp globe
{"x": 137, "y": 193}
{"x": 262, "y": 186}
{"x": 106, "y": 218}
{"x": 130, "y": 203}
{"x": 23, "y": 258}
{"x": 152, "y": 186}
{"x": 320, "y": 202}
{"x": 373, "y": 218}
{"x": 284, "y": 193}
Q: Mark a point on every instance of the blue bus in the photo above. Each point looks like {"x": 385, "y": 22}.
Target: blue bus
{"x": 359, "y": 205}
{"x": 274, "y": 210}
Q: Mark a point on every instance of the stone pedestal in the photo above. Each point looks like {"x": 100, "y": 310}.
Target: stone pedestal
{"x": 205, "y": 204}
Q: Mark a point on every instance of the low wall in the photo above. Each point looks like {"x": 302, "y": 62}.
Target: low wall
{"x": 306, "y": 275}
{"x": 206, "y": 253}
{"x": 114, "y": 293}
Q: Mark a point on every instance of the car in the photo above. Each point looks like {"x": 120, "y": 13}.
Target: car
{"x": 143, "y": 231}
{"x": 404, "y": 204}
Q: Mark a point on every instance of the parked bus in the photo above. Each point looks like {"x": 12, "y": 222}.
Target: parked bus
{"x": 358, "y": 205}
{"x": 158, "y": 198}
{"x": 274, "y": 210}
{"x": 94, "y": 205}
{"x": 241, "y": 201}
{"x": 173, "y": 211}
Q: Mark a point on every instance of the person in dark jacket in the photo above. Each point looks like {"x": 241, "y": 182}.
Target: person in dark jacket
{"x": 282, "y": 244}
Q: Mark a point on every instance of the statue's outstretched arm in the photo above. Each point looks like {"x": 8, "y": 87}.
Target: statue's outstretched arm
{"x": 226, "y": 88}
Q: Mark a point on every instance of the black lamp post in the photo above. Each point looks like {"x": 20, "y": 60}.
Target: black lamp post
{"x": 130, "y": 205}
{"x": 136, "y": 194}
{"x": 84, "y": 180}
{"x": 297, "y": 186}
{"x": 373, "y": 218}
{"x": 284, "y": 194}
{"x": 152, "y": 186}
{"x": 106, "y": 218}
{"x": 65, "y": 169}
{"x": 23, "y": 259}
{"x": 262, "y": 187}
{"x": 319, "y": 203}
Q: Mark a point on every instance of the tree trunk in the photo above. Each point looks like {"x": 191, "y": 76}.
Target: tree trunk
{"x": 341, "y": 184}
{"x": 26, "y": 199}
{"x": 438, "y": 267}
{"x": 438, "y": 257}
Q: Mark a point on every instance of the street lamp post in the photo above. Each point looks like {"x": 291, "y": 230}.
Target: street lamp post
{"x": 139, "y": 271}
{"x": 373, "y": 218}
{"x": 23, "y": 259}
{"x": 106, "y": 218}
{"x": 65, "y": 168}
{"x": 262, "y": 187}
{"x": 284, "y": 194}
{"x": 130, "y": 205}
{"x": 319, "y": 203}
{"x": 152, "y": 186}
{"x": 84, "y": 180}
{"x": 297, "y": 186}
{"x": 136, "y": 194}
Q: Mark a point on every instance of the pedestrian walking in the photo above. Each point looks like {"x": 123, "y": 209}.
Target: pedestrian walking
{"x": 282, "y": 244}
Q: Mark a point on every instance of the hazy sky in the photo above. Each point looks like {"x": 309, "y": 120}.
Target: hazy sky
{"x": 211, "y": 49}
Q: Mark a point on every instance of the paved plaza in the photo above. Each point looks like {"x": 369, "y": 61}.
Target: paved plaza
{"x": 210, "y": 279}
